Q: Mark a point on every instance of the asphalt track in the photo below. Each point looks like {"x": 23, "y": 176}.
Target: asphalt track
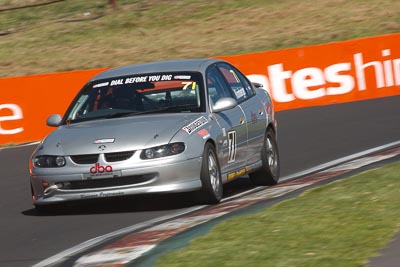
{"x": 306, "y": 138}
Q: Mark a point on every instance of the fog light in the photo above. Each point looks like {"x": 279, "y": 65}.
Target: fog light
{"x": 149, "y": 153}
{"x": 60, "y": 161}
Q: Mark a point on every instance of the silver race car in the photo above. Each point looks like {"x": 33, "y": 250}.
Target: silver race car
{"x": 172, "y": 126}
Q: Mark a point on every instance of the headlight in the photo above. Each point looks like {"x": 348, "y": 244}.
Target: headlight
{"x": 162, "y": 151}
{"x": 48, "y": 161}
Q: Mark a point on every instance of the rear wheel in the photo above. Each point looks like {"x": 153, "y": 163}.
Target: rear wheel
{"x": 269, "y": 172}
{"x": 210, "y": 175}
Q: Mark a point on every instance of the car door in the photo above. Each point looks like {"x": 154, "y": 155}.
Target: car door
{"x": 251, "y": 106}
{"x": 233, "y": 142}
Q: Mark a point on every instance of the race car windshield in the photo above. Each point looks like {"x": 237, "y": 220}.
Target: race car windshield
{"x": 137, "y": 95}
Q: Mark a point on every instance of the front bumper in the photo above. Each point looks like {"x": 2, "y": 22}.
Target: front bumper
{"x": 165, "y": 177}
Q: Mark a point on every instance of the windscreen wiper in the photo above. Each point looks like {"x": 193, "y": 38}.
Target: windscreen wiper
{"x": 123, "y": 114}
{"x": 180, "y": 108}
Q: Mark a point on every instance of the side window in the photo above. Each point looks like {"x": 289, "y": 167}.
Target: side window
{"x": 239, "y": 84}
{"x": 216, "y": 85}
{"x": 247, "y": 86}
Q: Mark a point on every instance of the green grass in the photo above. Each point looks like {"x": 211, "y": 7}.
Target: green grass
{"x": 41, "y": 40}
{"x": 340, "y": 224}
{"x": 7, "y": 145}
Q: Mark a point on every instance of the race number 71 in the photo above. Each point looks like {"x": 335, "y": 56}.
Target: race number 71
{"x": 189, "y": 84}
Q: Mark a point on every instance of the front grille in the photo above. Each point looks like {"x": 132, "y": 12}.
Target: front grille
{"x": 108, "y": 182}
{"x": 85, "y": 159}
{"x": 118, "y": 156}
{"x": 110, "y": 157}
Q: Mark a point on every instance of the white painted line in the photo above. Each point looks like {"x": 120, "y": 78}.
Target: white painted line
{"x": 95, "y": 241}
{"x": 112, "y": 256}
{"x": 117, "y": 255}
{"x": 272, "y": 192}
{"x": 340, "y": 161}
{"x": 318, "y": 168}
{"x": 185, "y": 223}
{"x": 358, "y": 163}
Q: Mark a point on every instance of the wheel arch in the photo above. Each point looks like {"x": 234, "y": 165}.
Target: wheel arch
{"x": 212, "y": 141}
{"x": 272, "y": 127}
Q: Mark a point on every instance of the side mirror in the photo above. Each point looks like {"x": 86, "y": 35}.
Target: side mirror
{"x": 54, "y": 120}
{"x": 224, "y": 103}
{"x": 258, "y": 85}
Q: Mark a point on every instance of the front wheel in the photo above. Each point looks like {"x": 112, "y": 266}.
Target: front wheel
{"x": 269, "y": 172}
{"x": 210, "y": 175}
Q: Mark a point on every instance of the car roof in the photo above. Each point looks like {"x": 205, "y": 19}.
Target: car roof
{"x": 160, "y": 66}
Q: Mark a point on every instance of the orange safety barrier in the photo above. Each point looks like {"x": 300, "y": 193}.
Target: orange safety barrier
{"x": 26, "y": 102}
{"x": 326, "y": 74}
{"x": 299, "y": 77}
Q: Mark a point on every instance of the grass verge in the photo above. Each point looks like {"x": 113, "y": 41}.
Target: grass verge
{"x": 7, "y": 145}
{"x": 80, "y": 34}
{"x": 340, "y": 224}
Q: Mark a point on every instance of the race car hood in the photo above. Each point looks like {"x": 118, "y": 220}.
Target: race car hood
{"x": 114, "y": 135}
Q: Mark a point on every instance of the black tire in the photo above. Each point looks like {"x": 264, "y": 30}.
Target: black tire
{"x": 210, "y": 175}
{"x": 268, "y": 174}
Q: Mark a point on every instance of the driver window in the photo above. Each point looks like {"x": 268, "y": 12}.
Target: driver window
{"x": 216, "y": 85}
{"x": 240, "y": 87}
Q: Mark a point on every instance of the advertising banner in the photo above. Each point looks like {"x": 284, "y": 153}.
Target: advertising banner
{"x": 26, "y": 102}
{"x": 326, "y": 74}
{"x": 296, "y": 78}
